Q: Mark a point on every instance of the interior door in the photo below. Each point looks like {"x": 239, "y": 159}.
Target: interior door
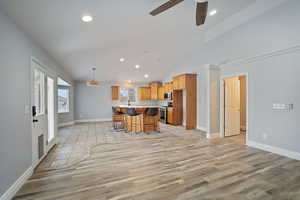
{"x": 39, "y": 118}
{"x": 232, "y": 106}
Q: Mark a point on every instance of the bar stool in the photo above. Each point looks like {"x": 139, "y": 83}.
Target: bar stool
{"x": 118, "y": 119}
{"x": 151, "y": 120}
{"x": 133, "y": 121}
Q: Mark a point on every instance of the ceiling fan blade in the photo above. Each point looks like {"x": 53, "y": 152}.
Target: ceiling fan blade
{"x": 165, "y": 6}
{"x": 201, "y": 13}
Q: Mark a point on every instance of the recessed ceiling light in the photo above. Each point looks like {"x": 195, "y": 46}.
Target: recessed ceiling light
{"x": 213, "y": 12}
{"x": 87, "y": 18}
{"x": 137, "y": 66}
{"x": 129, "y": 81}
{"x": 146, "y": 76}
{"x": 122, "y": 59}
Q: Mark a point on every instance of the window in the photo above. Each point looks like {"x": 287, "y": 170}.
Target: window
{"x": 63, "y": 100}
{"x": 39, "y": 92}
{"x": 128, "y": 94}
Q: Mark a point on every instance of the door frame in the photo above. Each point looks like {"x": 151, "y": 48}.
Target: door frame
{"x": 222, "y": 102}
{"x": 53, "y": 75}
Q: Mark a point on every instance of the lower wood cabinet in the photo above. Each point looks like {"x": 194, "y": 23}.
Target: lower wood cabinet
{"x": 170, "y": 114}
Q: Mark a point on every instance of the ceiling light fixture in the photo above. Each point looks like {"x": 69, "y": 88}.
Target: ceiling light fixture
{"x": 146, "y": 76}
{"x": 93, "y": 82}
{"x": 137, "y": 66}
{"x": 213, "y": 12}
{"x": 122, "y": 59}
{"x": 130, "y": 81}
{"x": 87, "y": 18}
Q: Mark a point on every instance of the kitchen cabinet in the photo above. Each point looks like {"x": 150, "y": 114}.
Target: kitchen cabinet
{"x": 179, "y": 82}
{"x": 115, "y": 92}
{"x": 144, "y": 93}
{"x": 154, "y": 90}
{"x": 168, "y": 87}
{"x": 170, "y": 114}
{"x": 161, "y": 93}
{"x": 177, "y": 107}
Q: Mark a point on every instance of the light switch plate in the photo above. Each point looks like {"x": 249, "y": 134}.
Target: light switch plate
{"x": 281, "y": 106}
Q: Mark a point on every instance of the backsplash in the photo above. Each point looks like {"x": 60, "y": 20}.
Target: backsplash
{"x": 144, "y": 103}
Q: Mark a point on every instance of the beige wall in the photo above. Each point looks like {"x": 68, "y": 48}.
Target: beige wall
{"x": 243, "y": 101}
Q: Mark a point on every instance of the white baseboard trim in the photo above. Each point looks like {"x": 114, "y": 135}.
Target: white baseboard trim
{"x": 213, "y": 135}
{"x": 66, "y": 124}
{"x": 202, "y": 128}
{"x": 276, "y": 150}
{"x": 16, "y": 186}
{"x": 93, "y": 120}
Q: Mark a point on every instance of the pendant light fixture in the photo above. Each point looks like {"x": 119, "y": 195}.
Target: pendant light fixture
{"x": 93, "y": 82}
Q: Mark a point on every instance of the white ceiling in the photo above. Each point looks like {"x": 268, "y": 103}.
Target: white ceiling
{"x": 120, "y": 29}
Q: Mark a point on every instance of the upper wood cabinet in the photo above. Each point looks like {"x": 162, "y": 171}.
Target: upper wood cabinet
{"x": 115, "y": 92}
{"x": 179, "y": 82}
{"x": 168, "y": 87}
{"x": 161, "y": 93}
{"x": 154, "y": 90}
{"x": 144, "y": 93}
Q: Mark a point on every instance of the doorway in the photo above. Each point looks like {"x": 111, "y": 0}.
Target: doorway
{"x": 43, "y": 121}
{"x": 234, "y": 104}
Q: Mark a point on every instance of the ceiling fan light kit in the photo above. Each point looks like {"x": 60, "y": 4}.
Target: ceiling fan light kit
{"x": 201, "y": 9}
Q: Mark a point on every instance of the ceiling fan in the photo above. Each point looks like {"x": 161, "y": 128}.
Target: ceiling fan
{"x": 201, "y": 10}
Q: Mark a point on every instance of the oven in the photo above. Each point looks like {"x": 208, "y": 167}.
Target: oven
{"x": 163, "y": 114}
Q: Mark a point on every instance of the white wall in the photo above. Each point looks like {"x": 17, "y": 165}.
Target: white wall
{"x": 92, "y": 102}
{"x": 16, "y": 50}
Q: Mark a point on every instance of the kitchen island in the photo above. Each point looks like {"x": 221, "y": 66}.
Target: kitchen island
{"x": 143, "y": 122}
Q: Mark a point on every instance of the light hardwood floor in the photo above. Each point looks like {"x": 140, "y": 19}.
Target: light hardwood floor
{"x": 93, "y": 163}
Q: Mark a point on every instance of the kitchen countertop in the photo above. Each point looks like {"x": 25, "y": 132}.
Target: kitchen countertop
{"x": 137, "y": 106}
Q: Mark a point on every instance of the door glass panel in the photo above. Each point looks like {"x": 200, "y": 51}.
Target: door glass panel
{"x": 39, "y": 91}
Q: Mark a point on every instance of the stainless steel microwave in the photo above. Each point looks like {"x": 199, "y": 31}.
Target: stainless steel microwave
{"x": 168, "y": 96}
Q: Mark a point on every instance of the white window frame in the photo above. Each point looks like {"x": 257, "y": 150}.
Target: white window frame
{"x": 126, "y": 98}
{"x": 68, "y": 100}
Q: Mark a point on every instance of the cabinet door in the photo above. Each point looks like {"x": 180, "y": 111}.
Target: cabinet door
{"x": 153, "y": 91}
{"x": 161, "y": 92}
{"x": 144, "y": 93}
{"x": 170, "y": 116}
{"x": 115, "y": 92}
{"x": 147, "y": 93}
{"x": 182, "y": 80}
{"x": 176, "y": 83}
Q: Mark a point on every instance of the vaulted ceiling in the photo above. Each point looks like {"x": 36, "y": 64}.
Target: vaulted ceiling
{"x": 120, "y": 29}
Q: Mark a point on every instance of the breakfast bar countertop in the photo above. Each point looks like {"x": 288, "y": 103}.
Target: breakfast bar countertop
{"x": 137, "y": 106}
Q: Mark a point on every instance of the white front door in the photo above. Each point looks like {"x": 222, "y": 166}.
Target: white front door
{"x": 232, "y": 106}
{"x": 43, "y": 111}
